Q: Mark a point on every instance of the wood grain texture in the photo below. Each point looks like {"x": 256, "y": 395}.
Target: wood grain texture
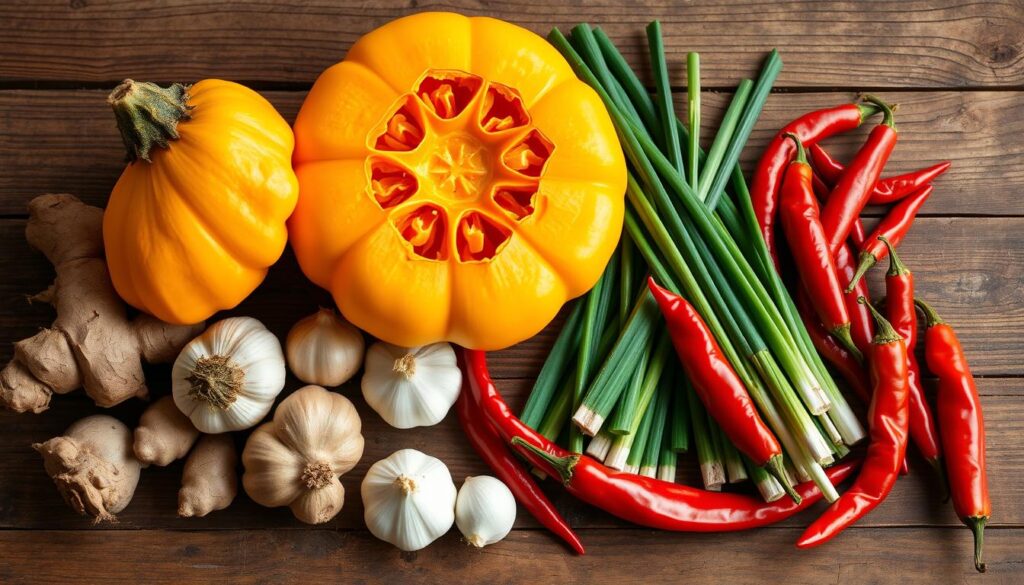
{"x": 834, "y": 44}
{"x": 913, "y": 555}
{"x": 28, "y": 499}
{"x": 67, "y": 141}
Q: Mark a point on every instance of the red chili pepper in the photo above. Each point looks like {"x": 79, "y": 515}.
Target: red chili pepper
{"x": 837, "y": 355}
{"x": 493, "y": 450}
{"x": 887, "y": 420}
{"x": 717, "y": 384}
{"x": 961, "y": 426}
{"x": 642, "y": 500}
{"x": 899, "y": 304}
{"x": 862, "y": 327}
{"x": 887, "y": 190}
{"x": 810, "y": 128}
{"x": 853, "y": 190}
{"x": 894, "y": 226}
{"x": 810, "y": 248}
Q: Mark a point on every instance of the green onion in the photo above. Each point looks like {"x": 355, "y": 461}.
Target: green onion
{"x": 621, "y": 422}
{"x": 693, "y": 114}
{"x": 679, "y": 438}
{"x": 722, "y": 139}
{"x": 622, "y": 445}
{"x": 734, "y": 469}
{"x": 652, "y": 447}
{"x": 553, "y": 370}
{"x": 711, "y": 470}
{"x": 769, "y": 487}
{"x": 554, "y": 419}
{"x": 595, "y": 315}
{"x": 599, "y": 445}
{"x": 627, "y": 277}
{"x": 666, "y": 112}
{"x": 667, "y": 457}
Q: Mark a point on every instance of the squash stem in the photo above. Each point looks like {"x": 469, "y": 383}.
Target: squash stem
{"x": 148, "y": 115}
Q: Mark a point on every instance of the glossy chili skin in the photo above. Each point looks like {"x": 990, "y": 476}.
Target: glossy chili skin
{"x": 492, "y": 449}
{"x": 809, "y": 246}
{"x": 961, "y": 426}
{"x": 862, "y": 327}
{"x": 713, "y": 378}
{"x": 837, "y": 355}
{"x": 899, "y": 306}
{"x": 642, "y": 500}
{"x": 893, "y": 227}
{"x": 854, "y": 188}
{"x": 887, "y": 421}
{"x": 810, "y": 128}
{"x": 887, "y": 190}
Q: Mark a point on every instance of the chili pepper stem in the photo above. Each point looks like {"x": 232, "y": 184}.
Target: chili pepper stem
{"x": 929, "y": 313}
{"x": 887, "y": 110}
{"x": 777, "y": 468}
{"x": 563, "y": 465}
{"x": 844, "y": 337}
{"x": 885, "y": 333}
{"x": 865, "y": 262}
{"x": 977, "y": 526}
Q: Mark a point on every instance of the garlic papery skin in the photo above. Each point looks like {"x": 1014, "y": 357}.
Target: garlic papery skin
{"x": 324, "y": 349}
{"x": 227, "y": 378}
{"x": 485, "y": 510}
{"x": 411, "y": 387}
{"x": 409, "y": 499}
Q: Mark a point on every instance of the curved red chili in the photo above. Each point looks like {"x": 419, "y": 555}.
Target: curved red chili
{"x": 887, "y": 190}
{"x": 853, "y": 190}
{"x": 842, "y": 360}
{"x": 642, "y": 500}
{"x": 717, "y": 384}
{"x": 961, "y": 426}
{"x": 809, "y": 246}
{"x": 888, "y": 429}
{"x": 810, "y": 128}
{"x": 899, "y": 305}
{"x": 894, "y": 226}
{"x": 862, "y": 327}
{"x": 492, "y": 449}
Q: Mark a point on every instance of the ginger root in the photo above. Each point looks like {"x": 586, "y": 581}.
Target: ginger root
{"x": 164, "y": 434}
{"x": 92, "y": 343}
{"x": 93, "y": 466}
{"x": 210, "y": 480}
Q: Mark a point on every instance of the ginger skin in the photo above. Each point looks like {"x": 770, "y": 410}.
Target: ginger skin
{"x": 210, "y": 480}
{"x": 164, "y": 434}
{"x": 93, "y": 466}
{"x": 92, "y": 343}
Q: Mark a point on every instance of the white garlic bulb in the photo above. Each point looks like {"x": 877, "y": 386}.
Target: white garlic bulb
{"x": 485, "y": 510}
{"x": 409, "y": 499}
{"x": 412, "y": 387}
{"x": 227, "y": 378}
{"x": 324, "y": 349}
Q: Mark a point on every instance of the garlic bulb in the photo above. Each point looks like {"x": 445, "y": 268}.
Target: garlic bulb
{"x": 295, "y": 459}
{"x": 411, "y": 387}
{"x": 324, "y": 349}
{"x": 409, "y": 499}
{"x": 485, "y": 510}
{"x": 227, "y": 378}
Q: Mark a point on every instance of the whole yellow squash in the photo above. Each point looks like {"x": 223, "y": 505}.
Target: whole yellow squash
{"x": 457, "y": 182}
{"x": 199, "y": 213}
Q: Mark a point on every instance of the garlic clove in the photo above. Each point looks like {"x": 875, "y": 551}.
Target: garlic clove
{"x": 324, "y": 349}
{"x": 485, "y": 510}
{"x": 321, "y": 504}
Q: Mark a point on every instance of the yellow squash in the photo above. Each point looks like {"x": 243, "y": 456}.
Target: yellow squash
{"x": 191, "y": 227}
{"x": 457, "y": 182}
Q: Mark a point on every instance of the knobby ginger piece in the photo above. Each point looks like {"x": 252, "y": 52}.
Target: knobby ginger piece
{"x": 92, "y": 344}
{"x": 93, "y": 466}
{"x": 210, "y": 480}
{"x": 164, "y": 434}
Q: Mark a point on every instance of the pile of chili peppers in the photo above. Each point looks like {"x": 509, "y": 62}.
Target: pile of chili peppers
{"x": 817, "y": 201}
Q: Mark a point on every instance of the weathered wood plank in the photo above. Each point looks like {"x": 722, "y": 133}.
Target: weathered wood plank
{"x": 912, "y": 555}
{"x": 832, "y": 44}
{"x": 29, "y": 500}
{"x": 971, "y": 269}
{"x": 67, "y": 141}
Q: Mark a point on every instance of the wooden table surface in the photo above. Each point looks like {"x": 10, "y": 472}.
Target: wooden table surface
{"x": 955, "y": 68}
